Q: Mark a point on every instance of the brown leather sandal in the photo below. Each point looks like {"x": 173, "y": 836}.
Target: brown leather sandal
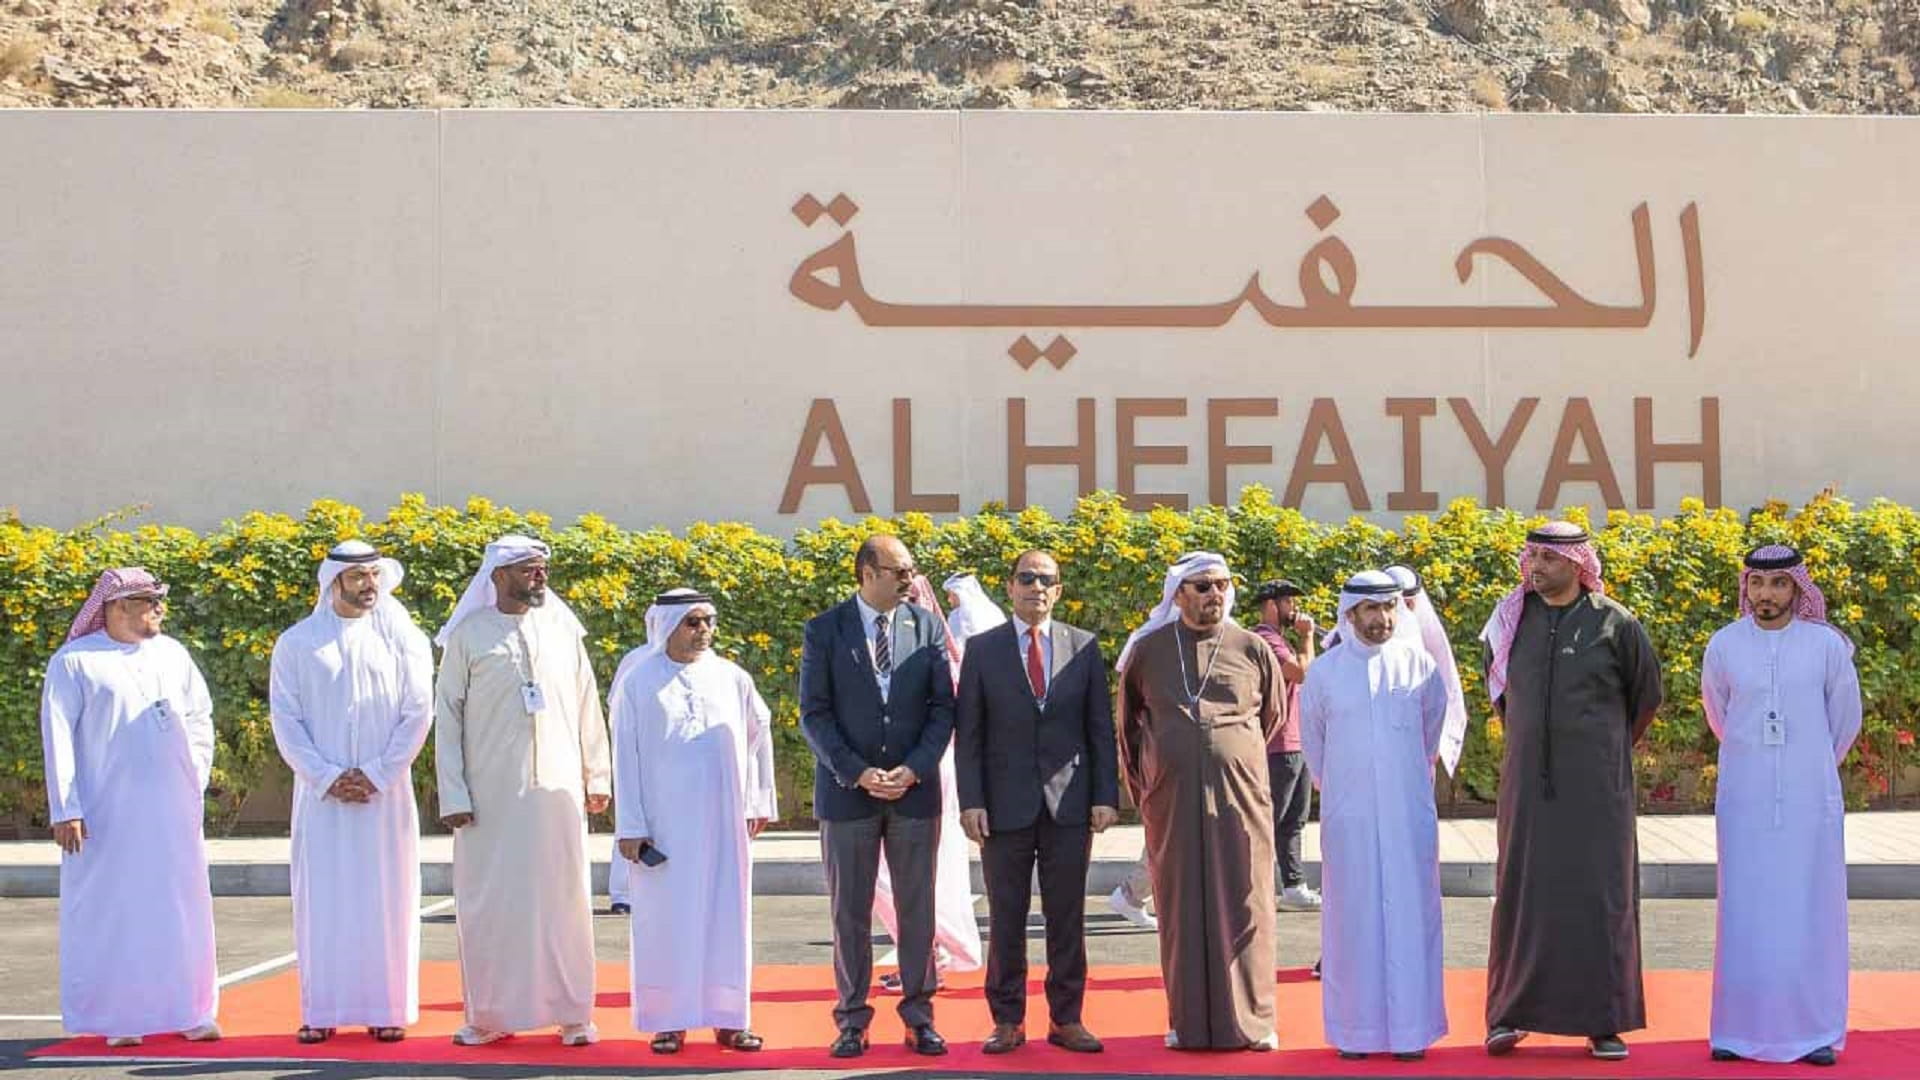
{"x": 738, "y": 1039}
{"x": 387, "y": 1034}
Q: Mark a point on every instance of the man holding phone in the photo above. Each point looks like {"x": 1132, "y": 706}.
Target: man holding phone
{"x": 1286, "y": 768}
{"x": 693, "y": 763}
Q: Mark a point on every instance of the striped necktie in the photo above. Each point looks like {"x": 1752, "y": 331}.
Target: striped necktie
{"x": 882, "y": 646}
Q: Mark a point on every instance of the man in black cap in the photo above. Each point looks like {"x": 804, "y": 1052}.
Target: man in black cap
{"x": 1286, "y": 767}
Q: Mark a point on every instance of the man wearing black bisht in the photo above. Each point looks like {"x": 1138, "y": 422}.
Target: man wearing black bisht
{"x": 1575, "y": 680}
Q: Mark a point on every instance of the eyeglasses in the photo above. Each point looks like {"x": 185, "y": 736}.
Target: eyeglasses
{"x": 698, "y": 622}
{"x": 1045, "y": 581}
{"x": 1208, "y": 585}
{"x": 901, "y": 572}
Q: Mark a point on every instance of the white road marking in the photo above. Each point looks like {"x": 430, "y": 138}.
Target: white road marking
{"x": 282, "y": 961}
{"x": 225, "y": 980}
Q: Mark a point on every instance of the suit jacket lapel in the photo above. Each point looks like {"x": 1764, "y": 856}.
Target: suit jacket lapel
{"x": 859, "y": 636}
{"x": 1062, "y": 652}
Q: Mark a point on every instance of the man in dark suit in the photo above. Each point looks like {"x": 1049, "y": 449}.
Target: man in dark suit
{"x": 1036, "y": 767}
{"x": 876, "y": 706}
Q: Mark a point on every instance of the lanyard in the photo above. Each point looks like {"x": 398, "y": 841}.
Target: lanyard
{"x": 525, "y": 663}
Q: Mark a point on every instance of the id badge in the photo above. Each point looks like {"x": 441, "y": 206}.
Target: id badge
{"x": 1773, "y": 731}
{"x": 163, "y": 715}
{"x": 534, "y": 698}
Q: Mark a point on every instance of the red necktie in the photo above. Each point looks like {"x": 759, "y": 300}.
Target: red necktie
{"x": 1036, "y": 671}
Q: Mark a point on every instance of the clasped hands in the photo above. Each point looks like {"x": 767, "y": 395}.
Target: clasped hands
{"x": 974, "y": 822}
{"x": 887, "y": 784}
{"x": 353, "y": 786}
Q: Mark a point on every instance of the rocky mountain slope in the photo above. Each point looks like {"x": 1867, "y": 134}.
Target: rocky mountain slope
{"x": 1780, "y": 56}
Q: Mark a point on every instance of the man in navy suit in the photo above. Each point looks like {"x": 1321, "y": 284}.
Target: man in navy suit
{"x": 1036, "y": 765}
{"x": 876, "y": 706}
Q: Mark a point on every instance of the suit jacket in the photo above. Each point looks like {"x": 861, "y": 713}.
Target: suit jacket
{"x": 851, "y": 729}
{"x": 1012, "y": 757}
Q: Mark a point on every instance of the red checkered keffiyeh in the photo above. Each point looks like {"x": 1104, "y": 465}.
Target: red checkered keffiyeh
{"x": 1810, "y": 604}
{"x": 1563, "y": 538}
{"x": 116, "y": 584}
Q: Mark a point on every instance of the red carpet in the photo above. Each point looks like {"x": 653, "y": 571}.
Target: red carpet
{"x": 1124, "y": 1005}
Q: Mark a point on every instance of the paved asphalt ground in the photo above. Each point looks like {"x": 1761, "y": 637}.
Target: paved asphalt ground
{"x": 793, "y": 930}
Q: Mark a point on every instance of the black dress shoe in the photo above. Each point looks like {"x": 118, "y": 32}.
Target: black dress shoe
{"x": 618, "y": 908}
{"x": 1352, "y": 1055}
{"x": 851, "y": 1043}
{"x": 922, "y": 1039}
{"x": 1822, "y": 1056}
{"x": 1410, "y": 1055}
{"x": 1724, "y": 1055}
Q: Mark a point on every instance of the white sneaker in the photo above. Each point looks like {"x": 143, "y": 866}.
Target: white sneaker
{"x": 1137, "y": 914}
{"x": 579, "y": 1034}
{"x": 1271, "y": 1042}
{"x": 1300, "y": 897}
{"x": 207, "y": 1032}
{"x": 477, "y": 1036}
{"x": 118, "y": 1041}
{"x": 1173, "y": 1041}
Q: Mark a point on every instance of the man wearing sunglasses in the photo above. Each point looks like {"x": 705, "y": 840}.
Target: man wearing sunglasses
{"x": 1200, "y": 698}
{"x": 1035, "y": 763}
{"x": 876, "y": 707}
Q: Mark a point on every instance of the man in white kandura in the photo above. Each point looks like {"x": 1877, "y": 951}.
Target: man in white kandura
{"x": 521, "y": 750}
{"x": 693, "y": 759}
{"x": 1781, "y": 692}
{"x": 1371, "y": 718}
{"x": 351, "y": 694}
{"x": 127, "y": 727}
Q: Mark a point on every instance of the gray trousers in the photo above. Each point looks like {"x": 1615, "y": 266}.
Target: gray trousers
{"x": 851, "y": 852}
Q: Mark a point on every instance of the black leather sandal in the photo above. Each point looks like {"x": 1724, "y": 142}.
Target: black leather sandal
{"x": 668, "y": 1042}
{"x": 310, "y": 1035}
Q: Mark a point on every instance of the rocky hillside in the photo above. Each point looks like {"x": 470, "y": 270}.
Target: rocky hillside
{"x": 1838, "y": 56}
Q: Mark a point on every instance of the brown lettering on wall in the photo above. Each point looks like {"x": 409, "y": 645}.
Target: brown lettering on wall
{"x": 1647, "y": 453}
{"x": 904, "y": 497}
{"x": 1323, "y": 424}
{"x": 1021, "y": 456}
{"x": 823, "y": 424}
{"x": 1130, "y": 454}
{"x": 1577, "y": 422}
{"x": 1494, "y": 453}
{"x": 1411, "y": 496}
{"x": 1222, "y": 454}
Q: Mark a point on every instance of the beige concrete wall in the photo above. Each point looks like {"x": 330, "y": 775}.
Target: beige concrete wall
{"x": 579, "y": 311}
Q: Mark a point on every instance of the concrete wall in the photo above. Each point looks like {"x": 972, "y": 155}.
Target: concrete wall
{"x": 572, "y": 311}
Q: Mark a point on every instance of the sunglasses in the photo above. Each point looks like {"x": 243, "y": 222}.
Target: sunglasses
{"x": 1045, "y": 581}
{"x": 1204, "y": 587}
{"x": 698, "y": 621}
{"x": 901, "y": 572}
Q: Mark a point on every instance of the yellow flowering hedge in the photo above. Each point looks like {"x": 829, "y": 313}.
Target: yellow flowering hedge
{"x": 236, "y": 587}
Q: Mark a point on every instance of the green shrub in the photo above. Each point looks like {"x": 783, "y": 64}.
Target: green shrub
{"x": 238, "y": 586}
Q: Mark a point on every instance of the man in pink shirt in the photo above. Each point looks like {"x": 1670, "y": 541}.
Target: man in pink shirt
{"x": 1286, "y": 766}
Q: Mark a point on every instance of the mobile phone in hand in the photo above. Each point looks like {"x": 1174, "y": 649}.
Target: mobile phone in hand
{"x": 650, "y": 855}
